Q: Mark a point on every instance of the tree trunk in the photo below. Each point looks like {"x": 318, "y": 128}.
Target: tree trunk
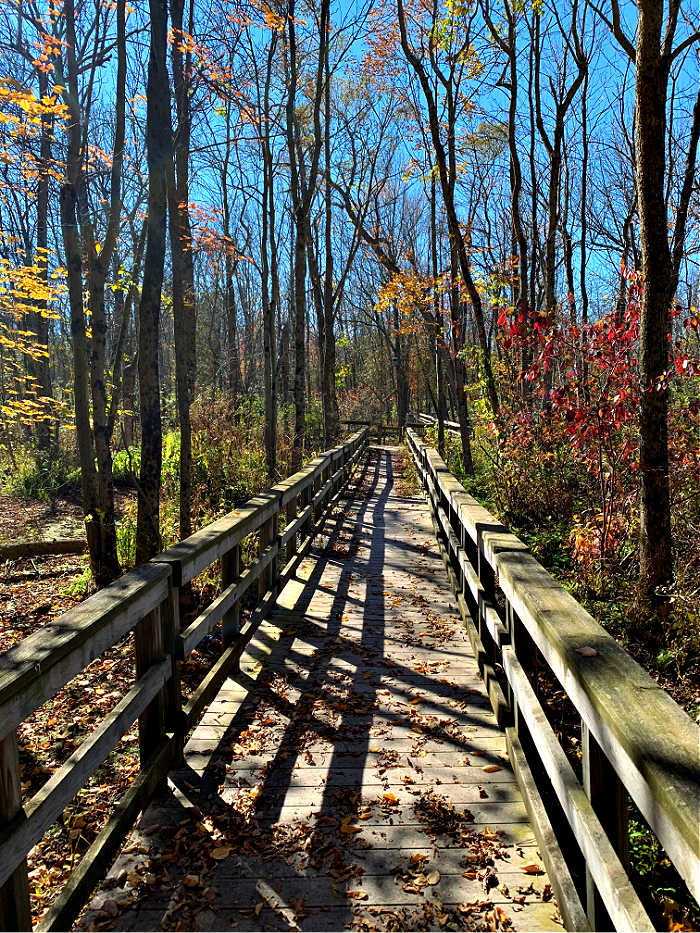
{"x": 182, "y": 264}
{"x": 159, "y": 152}
{"x": 41, "y": 368}
{"x": 652, "y": 70}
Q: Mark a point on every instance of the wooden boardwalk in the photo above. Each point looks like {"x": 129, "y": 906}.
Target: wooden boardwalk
{"x": 352, "y": 776}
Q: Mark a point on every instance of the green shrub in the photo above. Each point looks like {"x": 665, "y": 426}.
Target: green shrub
{"x": 40, "y": 476}
{"x": 126, "y": 464}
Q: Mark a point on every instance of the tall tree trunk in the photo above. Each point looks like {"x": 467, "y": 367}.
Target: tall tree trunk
{"x": 159, "y": 152}
{"x": 182, "y": 263}
{"x": 328, "y": 390}
{"x": 90, "y": 358}
{"x": 270, "y": 283}
{"x": 456, "y": 310}
{"x": 41, "y": 368}
{"x": 652, "y": 71}
{"x": 303, "y": 187}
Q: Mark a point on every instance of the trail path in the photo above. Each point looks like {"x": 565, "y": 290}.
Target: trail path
{"x": 353, "y": 774}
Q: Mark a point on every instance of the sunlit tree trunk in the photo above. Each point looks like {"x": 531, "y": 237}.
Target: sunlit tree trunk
{"x": 159, "y": 152}
{"x": 182, "y": 263}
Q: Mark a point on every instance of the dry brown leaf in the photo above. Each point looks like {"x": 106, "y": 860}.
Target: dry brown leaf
{"x": 532, "y": 869}
{"x": 347, "y": 825}
{"x": 357, "y": 895}
{"x": 190, "y": 881}
{"x": 433, "y": 877}
{"x": 587, "y": 651}
{"x": 489, "y": 769}
{"x": 221, "y": 852}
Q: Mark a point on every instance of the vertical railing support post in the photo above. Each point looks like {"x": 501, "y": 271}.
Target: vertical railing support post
{"x": 291, "y": 548}
{"x": 15, "y": 910}
{"x": 230, "y": 572}
{"x": 268, "y": 534}
{"x": 173, "y": 712}
{"x": 149, "y": 645}
{"x": 609, "y": 800}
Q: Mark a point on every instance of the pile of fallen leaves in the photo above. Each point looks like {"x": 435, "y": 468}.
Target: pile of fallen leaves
{"x": 432, "y": 915}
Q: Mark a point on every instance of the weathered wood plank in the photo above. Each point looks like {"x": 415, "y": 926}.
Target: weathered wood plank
{"x": 100, "y": 855}
{"x": 224, "y": 602}
{"x": 15, "y": 912}
{"x": 190, "y": 557}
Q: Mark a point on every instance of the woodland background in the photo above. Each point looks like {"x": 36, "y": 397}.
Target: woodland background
{"x": 225, "y": 227}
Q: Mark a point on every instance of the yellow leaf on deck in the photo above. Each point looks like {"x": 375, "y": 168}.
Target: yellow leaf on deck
{"x": 221, "y": 853}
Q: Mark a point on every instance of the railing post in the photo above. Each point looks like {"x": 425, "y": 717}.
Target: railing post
{"x": 268, "y": 534}
{"x": 173, "y": 713}
{"x": 608, "y": 798}
{"x": 149, "y": 645}
{"x": 230, "y": 571}
{"x": 526, "y": 653}
{"x": 488, "y": 581}
{"x": 15, "y": 910}
{"x": 291, "y": 548}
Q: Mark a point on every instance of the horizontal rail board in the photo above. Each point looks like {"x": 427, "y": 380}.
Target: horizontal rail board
{"x": 46, "y": 805}
{"x": 295, "y": 526}
{"x": 617, "y": 892}
{"x": 207, "y": 620}
{"x": 43, "y": 662}
{"x": 99, "y": 856}
{"x": 301, "y": 480}
{"x": 190, "y": 557}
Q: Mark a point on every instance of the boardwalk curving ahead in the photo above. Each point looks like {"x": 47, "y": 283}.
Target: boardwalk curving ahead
{"x": 353, "y": 774}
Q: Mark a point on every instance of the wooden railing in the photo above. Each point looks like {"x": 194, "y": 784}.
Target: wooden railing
{"x": 427, "y": 421}
{"x": 147, "y": 602}
{"x": 635, "y": 739}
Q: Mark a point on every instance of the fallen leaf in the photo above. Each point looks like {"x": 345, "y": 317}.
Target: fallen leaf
{"x": 347, "y": 825}
{"x": 221, "y": 852}
{"x": 533, "y": 869}
{"x": 190, "y": 881}
{"x": 357, "y": 895}
{"x": 587, "y": 651}
{"x": 433, "y": 877}
{"x": 489, "y": 769}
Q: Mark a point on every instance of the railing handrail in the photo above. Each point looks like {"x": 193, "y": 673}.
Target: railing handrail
{"x": 651, "y": 743}
{"x": 146, "y": 601}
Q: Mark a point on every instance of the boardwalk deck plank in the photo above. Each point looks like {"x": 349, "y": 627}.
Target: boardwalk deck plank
{"x": 353, "y": 758}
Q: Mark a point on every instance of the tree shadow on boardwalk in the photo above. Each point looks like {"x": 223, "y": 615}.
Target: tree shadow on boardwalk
{"x": 273, "y": 821}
